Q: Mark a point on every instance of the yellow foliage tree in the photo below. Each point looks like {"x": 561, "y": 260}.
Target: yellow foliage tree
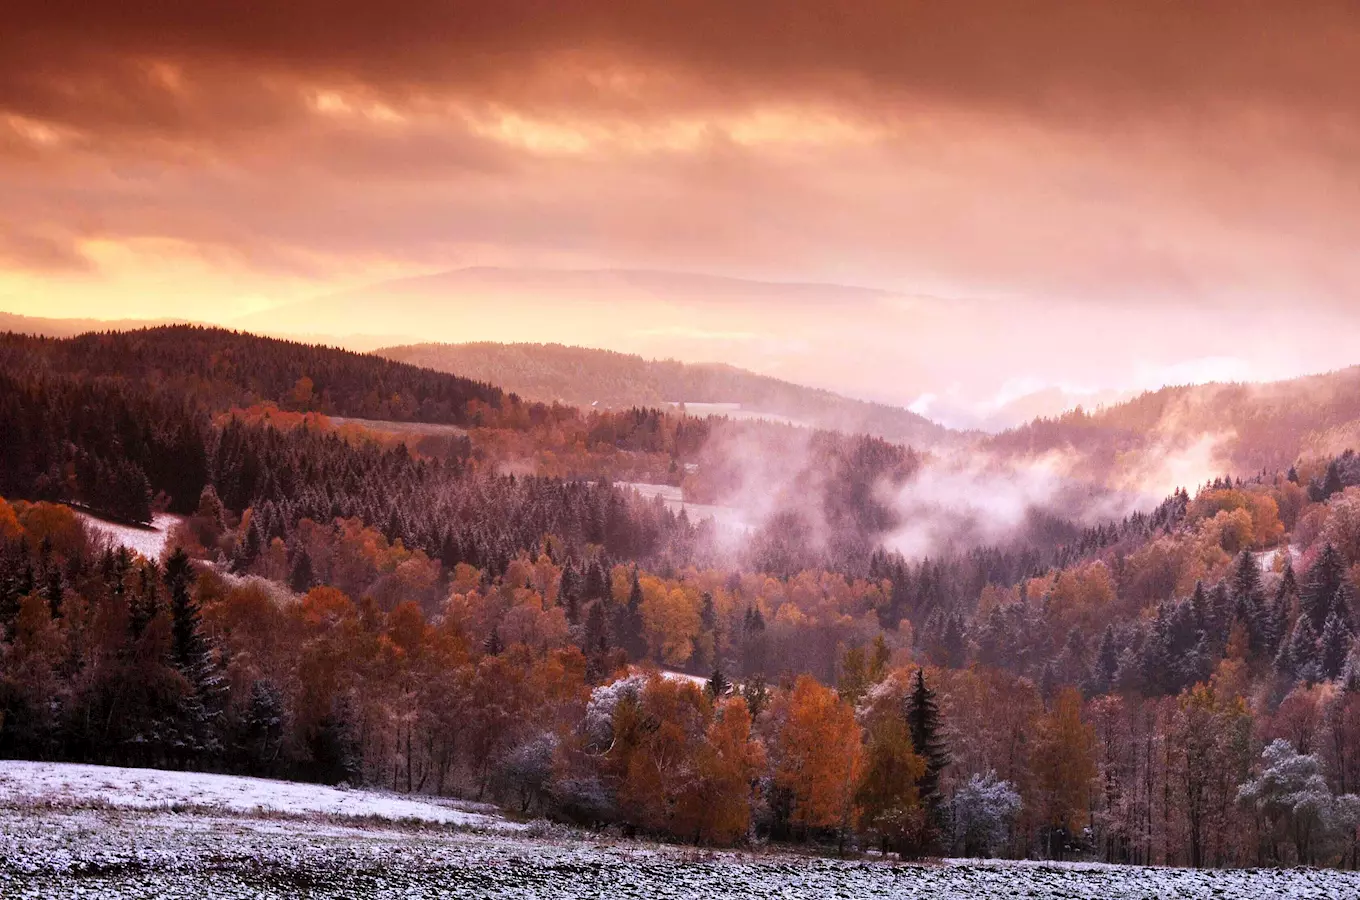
{"x": 1065, "y": 763}
{"x": 819, "y": 757}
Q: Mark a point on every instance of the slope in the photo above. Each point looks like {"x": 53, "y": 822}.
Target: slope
{"x": 581, "y": 376}
{"x": 1234, "y": 427}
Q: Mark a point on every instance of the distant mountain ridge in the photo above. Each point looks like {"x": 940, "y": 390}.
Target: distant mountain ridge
{"x": 42, "y": 326}
{"x": 1251, "y": 426}
{"x": 585, "y": 377}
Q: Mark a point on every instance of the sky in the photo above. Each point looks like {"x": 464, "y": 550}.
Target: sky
{"x": 1038, "y": 196}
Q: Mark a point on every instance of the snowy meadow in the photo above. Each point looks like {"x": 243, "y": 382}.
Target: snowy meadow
{"x": 104, "y": 832}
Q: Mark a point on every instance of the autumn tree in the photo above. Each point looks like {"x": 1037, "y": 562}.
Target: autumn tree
{"x": 888, "y": 794}
{"x": 1065, "y": 769}
{"x": 818, "y": 758}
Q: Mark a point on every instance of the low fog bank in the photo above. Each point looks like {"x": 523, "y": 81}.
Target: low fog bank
{"x": 769, "y": 490}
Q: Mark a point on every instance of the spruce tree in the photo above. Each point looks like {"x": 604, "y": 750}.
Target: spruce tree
{"x": 569, "y": 594}
{"x": 927, "y": 740}
{"x": 1249, "y": 600}
{"x": 301, "y": 579}
{"x": 718, "y": 684}
{"x": 753, "y": 642}
{"x": 201, "y": 707}
{"x": 1332, "y": 484}
{"x": 1107, "y": 663}
{"x": 1335, "y": 647}
{"x": 628, "y": 622}
{"x": 1325, "y": 589}
{"x": 1297, "y": 658}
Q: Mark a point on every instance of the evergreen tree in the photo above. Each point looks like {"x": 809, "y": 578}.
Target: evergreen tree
{"x": 262, "y": 728}
{"x": 1332, "y": 484}
{"x": 718, "y": 684}
{"x": 1335, "y": 647}
{"x": 756, "y": 694}
{"x": 335, "y": 748}
{"x": 54, "y": 592}
{"x": 628, "y": 622}
{"x": 249, "y": 549}
{"x": 569, "y": 594}
{"x": 596, "y": 586}
{"x": 1297, "y": 658}
{"x": 201, "y": 707}
{"x": 1106, "y": 667}
{"x": 753, "y": 642}
{"x": 1249, "y": 600}
{"x": 1326, "y": 589}
{"x": 301, "y": 579}
{"x": 927, "y": 740}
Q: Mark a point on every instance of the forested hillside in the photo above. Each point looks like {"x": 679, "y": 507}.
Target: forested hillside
{"x": 580, "y": 376}
{"x": 1247, "y": 428}
{"x": 1179, "y": 686}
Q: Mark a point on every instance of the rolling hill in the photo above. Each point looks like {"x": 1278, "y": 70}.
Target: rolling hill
{"x": 1216, "y": 428}
{"x": 584, "y": 377}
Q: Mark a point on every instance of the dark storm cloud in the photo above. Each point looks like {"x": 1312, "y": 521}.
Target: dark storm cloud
{"x": 1151, "y": 152}
{"x": 80, "y": 60}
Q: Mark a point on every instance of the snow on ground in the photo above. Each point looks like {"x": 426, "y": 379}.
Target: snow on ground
{"x": 726, "y": 517}
{"x": 670, "y": 675}
{"x": 102, "y": 853}
{"x": 70, "y": 785}
{"x": 1267, "y": 557}
{"x": 149, "y": 542}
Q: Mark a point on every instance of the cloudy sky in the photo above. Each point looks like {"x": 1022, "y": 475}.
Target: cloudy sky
{"x": 1091, "y": 195}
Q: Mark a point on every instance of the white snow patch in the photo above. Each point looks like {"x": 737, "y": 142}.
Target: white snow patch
{"x": 24, "y": 783}
{"x": 148, "y": 541}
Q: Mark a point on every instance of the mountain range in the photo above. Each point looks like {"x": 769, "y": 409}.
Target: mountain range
{"x": 579, "y": 376}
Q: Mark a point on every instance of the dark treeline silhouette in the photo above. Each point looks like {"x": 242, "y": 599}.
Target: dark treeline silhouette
{"x": 223, "y": 369}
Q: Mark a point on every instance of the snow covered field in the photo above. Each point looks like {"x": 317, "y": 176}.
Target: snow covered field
{"x": 726, "y": 517}
{"x": 73, "y": 786}
{"x": 111, "y": 854}
{"x": 85, "y": 831}
{"x": 149, "y": 542}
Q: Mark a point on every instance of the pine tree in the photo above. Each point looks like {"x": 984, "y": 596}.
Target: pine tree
{"x": 854, "y": 680}
{"x": 927, "y": 740}
{"x": 569, "y": 594}
{"x": 1106, "y": 667}
{"x": 249, "y": 549}
{"x": 1297, "y": 658}
{"x": 1325, "y": 589}
{"x": 718, "y": 684}
{"x": 1336, "y": 646}
{"x": 753, "y": 642}
{"x": 262, "y": 728}
{"x": 628, "y": 622}
{"x": 1249, "y": 600}
{"x": 301, "y": 578}
{"x": 879, "y": 659}
{"x": 1332, "y": 484}
{"x": 54, "y": 592}
{"x": 201, "y": 707}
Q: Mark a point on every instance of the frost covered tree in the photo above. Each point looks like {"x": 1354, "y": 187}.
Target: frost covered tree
{"x": 1335, "y": 647}
{"x": 528, "y": 768}
{"x": 982, "y": 812}
{"x": 1291, "y": 797}
{"x": 1326, "y": 589}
